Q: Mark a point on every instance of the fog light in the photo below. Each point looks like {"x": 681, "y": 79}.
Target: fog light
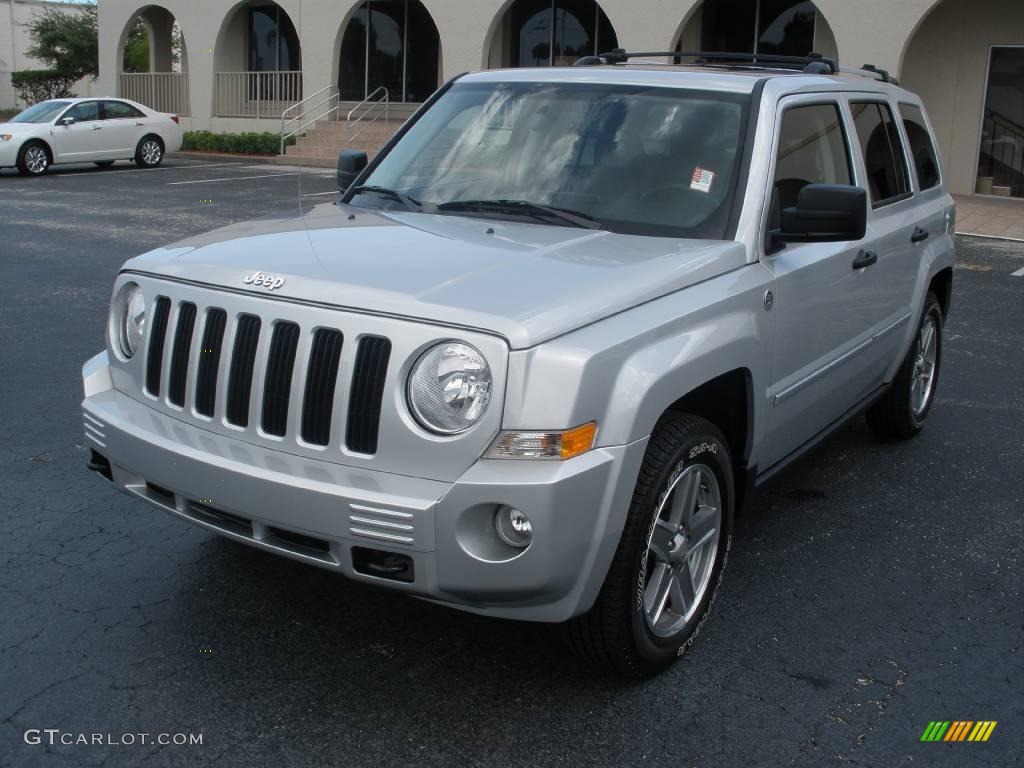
{"x": 513, "y": 527}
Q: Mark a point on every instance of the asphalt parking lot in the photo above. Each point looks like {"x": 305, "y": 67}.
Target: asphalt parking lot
{"x": 872, "y": 587}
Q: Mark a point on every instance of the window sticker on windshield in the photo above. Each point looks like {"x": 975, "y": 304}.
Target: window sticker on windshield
{"x": 702, "y": 180}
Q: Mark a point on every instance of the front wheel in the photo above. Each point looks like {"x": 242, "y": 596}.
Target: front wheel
{"x": 902, "y": 410}
{"x": 33, "y": 159}
{"x": 149, "y": 153}
{"x": 671, "y": 556}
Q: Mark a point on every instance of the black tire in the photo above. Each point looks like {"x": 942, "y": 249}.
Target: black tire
{"x": 144, "y": 156}
{"x": 104, "y": 163}
{"x": 894, "y": 415}
{"x": 616, "y": 634}
{"x": 30, "y": 156}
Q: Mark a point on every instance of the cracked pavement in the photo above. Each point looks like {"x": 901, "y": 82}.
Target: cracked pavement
{"x": 871, "y": 587}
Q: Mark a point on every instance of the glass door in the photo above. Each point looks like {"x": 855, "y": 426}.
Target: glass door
{"x": 1001, "y": 156}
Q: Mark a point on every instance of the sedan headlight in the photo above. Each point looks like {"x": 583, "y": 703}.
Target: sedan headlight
{"x": 449, "y": 388}
{"x": 128, "y": 319}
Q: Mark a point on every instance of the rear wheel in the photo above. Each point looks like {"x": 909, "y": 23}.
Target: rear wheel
{"x": 902, "y": 410}
{"x": 33, "y": 159}
{"x": 149, "y": 153}
{"x": 671, "y": 556}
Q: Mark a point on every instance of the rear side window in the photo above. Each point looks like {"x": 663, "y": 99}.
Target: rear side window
{"x": 118, "y": 110}
{"x": 922, "y": 150}
{"x": 812, "y": 150}
{"x": 883, "y": 152}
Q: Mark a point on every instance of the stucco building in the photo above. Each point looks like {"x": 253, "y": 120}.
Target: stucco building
{"x": 15, "y": 42}
{"x": 242, "y": 63}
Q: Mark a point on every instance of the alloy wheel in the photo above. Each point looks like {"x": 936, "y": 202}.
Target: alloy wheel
{"x": 36, "y": 159}
{"x": 151, "y": 152}
{"x": 922, "y": 378}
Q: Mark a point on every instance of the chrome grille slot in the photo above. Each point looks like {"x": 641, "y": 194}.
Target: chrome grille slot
{"x": 278, "y": 383}
{"x": 209, "y": 361}
{"x": 321, "y": 378}
{"x": 371, "y": 369}
{"x": 243, "y": 360}
{"x": 180, "y": 353}
{"x": 155, "y": 355}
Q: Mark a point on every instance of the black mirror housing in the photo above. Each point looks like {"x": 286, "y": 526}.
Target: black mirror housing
{"x": 825, "y": 213}
{"x": 351, "y": 162}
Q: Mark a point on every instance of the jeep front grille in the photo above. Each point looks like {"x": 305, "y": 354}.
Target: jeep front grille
{"x": 289, "y": 368}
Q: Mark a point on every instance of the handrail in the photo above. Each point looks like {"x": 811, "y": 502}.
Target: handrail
{"x": 373, "y": 102}
{"x": 332, "y": 96}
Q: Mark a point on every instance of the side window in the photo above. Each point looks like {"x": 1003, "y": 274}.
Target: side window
{"x": 85, "y": 112}
{"x": 812, "y": 150}
{"x": 922, "y": 150}
{"x": 118, "y": 110}
{"x": 883, "y": 152}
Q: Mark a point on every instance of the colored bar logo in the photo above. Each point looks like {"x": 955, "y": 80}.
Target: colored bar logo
{"x": 958, "y": 730}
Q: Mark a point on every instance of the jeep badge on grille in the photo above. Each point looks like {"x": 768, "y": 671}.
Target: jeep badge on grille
{"x": 260, "y": 280}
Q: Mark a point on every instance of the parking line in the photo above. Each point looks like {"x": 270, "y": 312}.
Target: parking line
{"x": 1018, "y": 273}
{"x": 233, "y": 178}
{"x": 205, "y": 165}
{"x": 317, "y": 194}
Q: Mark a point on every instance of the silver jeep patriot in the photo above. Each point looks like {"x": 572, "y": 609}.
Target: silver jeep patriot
{"x": 549, "y": 339}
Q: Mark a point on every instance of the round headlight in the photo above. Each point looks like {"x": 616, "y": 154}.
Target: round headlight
{"x": 449, "y": 388}
{"x": 130, "y": 322}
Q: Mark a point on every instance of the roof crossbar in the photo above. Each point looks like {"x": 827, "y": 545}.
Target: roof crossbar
{"x": 813, "y": 63}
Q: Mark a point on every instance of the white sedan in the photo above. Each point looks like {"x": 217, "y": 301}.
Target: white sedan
{"x": 99, "y": 131}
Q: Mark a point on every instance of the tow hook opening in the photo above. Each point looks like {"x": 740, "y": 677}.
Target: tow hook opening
{"x": 100, "y": 465}
{"x": 383, "y": 565}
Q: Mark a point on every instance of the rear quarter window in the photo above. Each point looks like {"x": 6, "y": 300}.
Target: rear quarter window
{"x": 922, "y": 149}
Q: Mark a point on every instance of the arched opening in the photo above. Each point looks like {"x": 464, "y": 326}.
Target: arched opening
{"x": 153, "y": 61}
{"x": 973, "y": 91}
{"x": 550, "y": 33}
{"x": 391, "y": 44}
{"x": 781, "y": 27}
{"x": 258, "y": 62}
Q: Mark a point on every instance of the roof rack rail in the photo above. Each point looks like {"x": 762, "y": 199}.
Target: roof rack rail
{"x": 882, "y": 74}
{"x": 813, "y": 63}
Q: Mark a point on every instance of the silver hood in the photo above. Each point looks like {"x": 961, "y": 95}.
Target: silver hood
{"x": 526, "y": 282}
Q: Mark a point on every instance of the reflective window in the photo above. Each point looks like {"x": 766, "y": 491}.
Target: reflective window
{"x": 399, "y": 41}
{"x": 85, "y": 112}
{"x": 882, "y": 148}
{"x": 922, "y": 151}
{"x": 783, "y": 27}
{"x": 273, "y": 42}
{"x": 118, "y": 110}
{"x": 651, "y": 161}
{"x": 812, "y": 150}
{"x": 1001, "y": 160}
{"x": 558, "y": 32}
{"x": 43, "y": 112}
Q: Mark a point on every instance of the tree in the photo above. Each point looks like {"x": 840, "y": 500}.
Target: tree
{"x": 136, "y": 48}
{"x": 66, "y": 40}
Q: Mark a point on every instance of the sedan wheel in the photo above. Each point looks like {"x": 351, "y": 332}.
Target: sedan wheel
{"x": 150, "y": 153}
{"x": 34, "y": 160}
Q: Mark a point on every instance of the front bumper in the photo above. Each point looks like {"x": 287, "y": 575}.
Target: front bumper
{"x": 9, "y": 152}
{"x": 319, "y": 512}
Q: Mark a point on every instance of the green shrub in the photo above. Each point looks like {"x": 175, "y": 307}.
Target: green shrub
{"x": 234, "y": 143}
{"x": 35, "y": 85}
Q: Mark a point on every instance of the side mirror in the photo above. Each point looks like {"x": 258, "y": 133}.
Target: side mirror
{"x": 66, "y": 121}
{"x": 824, "y": 213}
{"x": 351, "y": 163}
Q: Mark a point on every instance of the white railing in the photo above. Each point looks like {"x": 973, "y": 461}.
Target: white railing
{"x": 256, "y": 94}
{"x": 373, "y": 107}
{"x": 162, "y": 91}
{"x": 298, "y": 117}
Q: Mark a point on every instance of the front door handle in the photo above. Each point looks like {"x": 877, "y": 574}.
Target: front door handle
{"x": 919, "y": 235}
{"x": 139, "y": 125}
{"x": 97, "y": 128}
{"x": 865, "y": 259}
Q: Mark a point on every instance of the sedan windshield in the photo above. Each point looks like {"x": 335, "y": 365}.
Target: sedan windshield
{"x": 43, "y": 112}
{"x": 631, "y": 159}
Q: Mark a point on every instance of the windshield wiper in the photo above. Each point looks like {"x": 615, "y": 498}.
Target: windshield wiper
{"x": 394, "y": 194}
{"x": 524, "y": 207}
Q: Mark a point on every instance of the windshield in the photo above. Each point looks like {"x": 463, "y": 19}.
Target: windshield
{"x": 638, "y": 160}
{"x": 43, "y": 112}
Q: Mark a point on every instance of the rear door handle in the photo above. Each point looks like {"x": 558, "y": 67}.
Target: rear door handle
{"x": 919, "y": 235}
{"x": 865, "y": 259}
{"x": 97, "y": 128}
{"x": 139, "y": 125}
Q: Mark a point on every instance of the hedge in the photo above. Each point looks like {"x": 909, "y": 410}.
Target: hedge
{"x": 35, "y": 85}
{"x": 234, "y": 143}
